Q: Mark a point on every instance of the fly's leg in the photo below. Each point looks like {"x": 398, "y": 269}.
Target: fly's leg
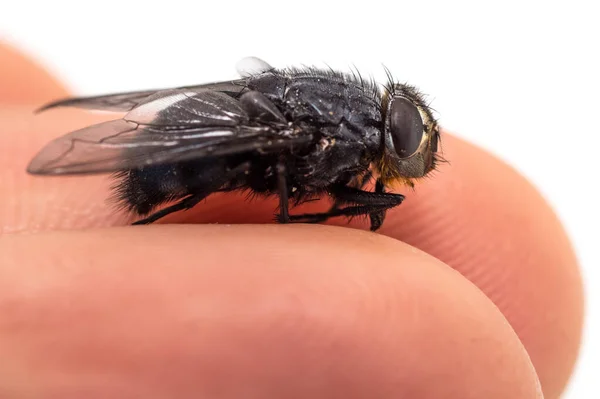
{"x": 193, "y": 199}
{"x": 349, "y": 211}
{"x": 376, "y": 213}
{"x": 379, "y": 201}
{"x": 377, "y": 218}
{"x": 284, "y": 214}
{"x": 373, "y": 204}
{"x": 186, "y": 203}
{"x": 366, "y": 178}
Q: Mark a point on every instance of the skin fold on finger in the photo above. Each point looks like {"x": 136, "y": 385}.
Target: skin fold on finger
{"x": 23, "y": 81}
{"x": 476, "y": 214}
{"x": 172, "y": 311}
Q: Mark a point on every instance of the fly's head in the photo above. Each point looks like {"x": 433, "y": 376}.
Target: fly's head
{"x": 411, "y": 136}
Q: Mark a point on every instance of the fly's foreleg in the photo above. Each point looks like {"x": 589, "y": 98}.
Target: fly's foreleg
{"x": 373, "y": 204}
{"x": 360, "y": 184}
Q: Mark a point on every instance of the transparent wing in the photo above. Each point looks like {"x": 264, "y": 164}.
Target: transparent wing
{"x": 122, "y": 102}
{"x": 181, "y": 108}
{"x": 173, "y": 125}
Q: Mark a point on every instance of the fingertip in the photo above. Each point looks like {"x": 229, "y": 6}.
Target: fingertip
{"x": 487, "y": 221}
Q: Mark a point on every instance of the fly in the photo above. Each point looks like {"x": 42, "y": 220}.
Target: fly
{"x": 297, "y": 133}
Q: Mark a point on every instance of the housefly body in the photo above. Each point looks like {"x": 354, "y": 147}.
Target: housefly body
{"x": 298, "y": 133}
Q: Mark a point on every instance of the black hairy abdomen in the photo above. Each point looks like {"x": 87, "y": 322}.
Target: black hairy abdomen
{"x": 142, "y": 190}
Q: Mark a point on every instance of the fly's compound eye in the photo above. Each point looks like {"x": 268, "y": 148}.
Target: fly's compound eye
{"x": 406, "y": 126}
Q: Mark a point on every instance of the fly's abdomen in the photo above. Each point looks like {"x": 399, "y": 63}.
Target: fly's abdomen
{"x": 142, "y": 190}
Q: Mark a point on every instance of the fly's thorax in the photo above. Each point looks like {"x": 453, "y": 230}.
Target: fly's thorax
{"x": 271, "y": 84}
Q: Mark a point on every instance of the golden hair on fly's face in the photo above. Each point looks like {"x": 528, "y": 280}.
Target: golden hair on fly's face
{"x": 411, "y": 136}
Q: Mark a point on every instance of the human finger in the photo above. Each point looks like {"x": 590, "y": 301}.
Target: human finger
{"x": 24, "y": 81}
{"x": 246, "y": 311}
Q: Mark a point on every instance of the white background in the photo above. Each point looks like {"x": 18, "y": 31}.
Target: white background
{"x": 519, "y": 78}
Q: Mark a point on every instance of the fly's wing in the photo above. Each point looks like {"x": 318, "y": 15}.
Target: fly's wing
{"x": 122, "y": 102}
{"x": 171, "y": 126}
